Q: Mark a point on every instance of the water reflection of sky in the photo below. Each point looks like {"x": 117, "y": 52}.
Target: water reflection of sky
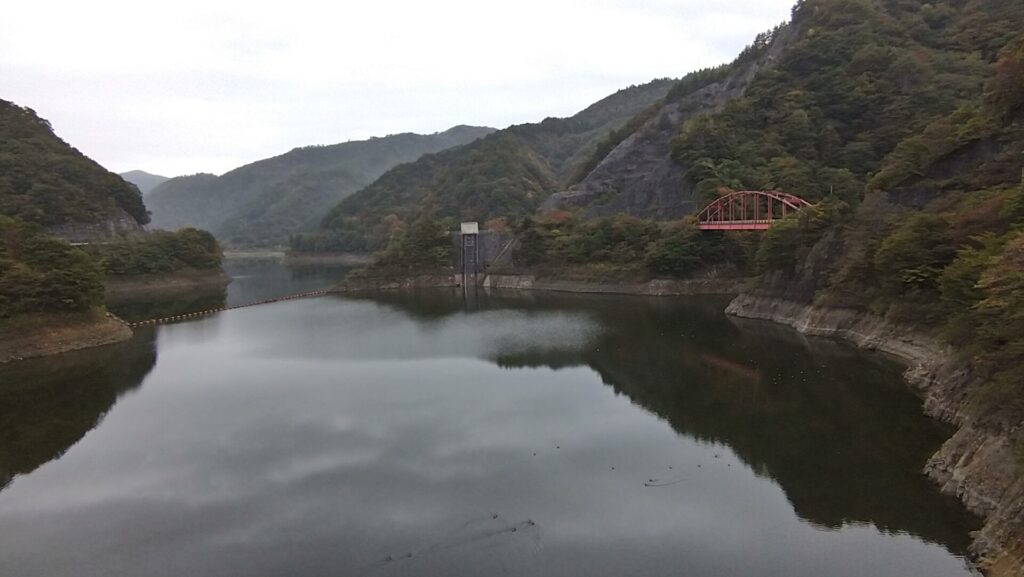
{"x": 335, "y": 437}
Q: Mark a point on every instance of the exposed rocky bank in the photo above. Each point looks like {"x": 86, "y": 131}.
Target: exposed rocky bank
{"x": 655, "y": 287}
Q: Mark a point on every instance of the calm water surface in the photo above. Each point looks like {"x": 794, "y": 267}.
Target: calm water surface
{"x": 253, "y": 280}
{"x": 413, "y": 434}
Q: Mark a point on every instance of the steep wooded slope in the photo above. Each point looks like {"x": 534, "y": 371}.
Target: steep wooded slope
{"x": 834, "y": 93}
{"x": 44, "y": 180}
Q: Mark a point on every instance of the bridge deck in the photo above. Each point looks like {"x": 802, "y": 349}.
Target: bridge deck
{"x": 760, "y": 224}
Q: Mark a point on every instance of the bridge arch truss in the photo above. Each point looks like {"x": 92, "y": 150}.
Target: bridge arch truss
{"x": 748, "y": 210}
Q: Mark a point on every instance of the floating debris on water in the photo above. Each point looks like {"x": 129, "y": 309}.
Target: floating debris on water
{"x": 659, "y": 483}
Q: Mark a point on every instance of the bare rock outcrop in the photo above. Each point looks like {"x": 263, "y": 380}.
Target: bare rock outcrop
{"x": 639, "y": 176}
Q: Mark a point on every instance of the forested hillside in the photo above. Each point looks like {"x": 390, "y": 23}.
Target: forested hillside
{"x": 859, "y": 79}
{"x": 508, "y": 173}
{"x": 936, "y": 237}
{"x": 42, "y": 274}
{"x": 906, "y": 119}
{"x": 49, "y": 189}
{"x": 905, "y": 122}
{"x": 263, "y": 203}
{"x": 901, "y": 120}
{"x": 160, "y": 251}
{"x": 44, "y": 180}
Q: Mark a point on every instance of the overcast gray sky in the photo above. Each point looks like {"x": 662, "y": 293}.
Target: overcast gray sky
{"x": 205, "y": 86}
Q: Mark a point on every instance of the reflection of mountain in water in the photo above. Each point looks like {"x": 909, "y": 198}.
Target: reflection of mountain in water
{"x": 44, "y": 412}
{"x": 259, "y": 279}
{"x": 151, "y": 307}
{"x": 837, "y": 429}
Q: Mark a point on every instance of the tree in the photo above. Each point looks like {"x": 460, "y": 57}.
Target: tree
{"x": 40, "y": 274}
{"x": 426, "y": 245}
{"x": 678, "y": 253}
{"x": 1005, "y": 94}
{"x": 914, "y": 255}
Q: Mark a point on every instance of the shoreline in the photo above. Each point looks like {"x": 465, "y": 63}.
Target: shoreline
{"x": 976, "y": 464}
{"x": 42, "y": 335}
{"x": 300, "y": 259}
{"x": 261, "y": 254}
{"x": 45, "y": 335}
{"x": 653, "y": 287}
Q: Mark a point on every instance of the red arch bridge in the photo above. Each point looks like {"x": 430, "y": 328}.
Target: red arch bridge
{"x": 748, "y": 210}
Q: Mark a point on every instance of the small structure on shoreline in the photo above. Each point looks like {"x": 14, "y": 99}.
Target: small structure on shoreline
{"x": 469, "y": 252}
{"x": 476, "y": 250}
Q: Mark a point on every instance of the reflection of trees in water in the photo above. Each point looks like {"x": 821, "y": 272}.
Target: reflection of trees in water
{"x": 178, "y": 304}
{"x": 258, "y": 279}
{"x": 48, "y": 404}
{"x": 253, "y": 280}
{"x": 332, "y": 272}
{"x": 278, "y": 270}
{"x": 837, "y": 429}
{"x": 422, "y": 305}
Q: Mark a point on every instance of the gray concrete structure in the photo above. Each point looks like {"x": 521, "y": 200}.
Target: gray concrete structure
{"x": 476, "y": 251}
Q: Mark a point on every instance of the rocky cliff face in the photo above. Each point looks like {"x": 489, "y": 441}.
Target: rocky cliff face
{"x": 96, "y": 231}
{"x": 639, "y": 176}
{"x": 979, "y": 463}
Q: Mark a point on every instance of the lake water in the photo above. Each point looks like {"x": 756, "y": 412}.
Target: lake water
{"x": 514, "y": 434}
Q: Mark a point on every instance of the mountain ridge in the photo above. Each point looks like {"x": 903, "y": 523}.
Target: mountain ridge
{"x": 46, "y": 181}
{"x": 509, "y": 172}
{"x": 263, "y": 202}
{"x": 145, "y": 181}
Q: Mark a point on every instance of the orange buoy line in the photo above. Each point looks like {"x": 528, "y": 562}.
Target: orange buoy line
{"x": 193, "y": 315}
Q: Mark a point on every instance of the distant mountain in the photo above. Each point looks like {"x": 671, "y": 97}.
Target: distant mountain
{"x": 144, "y": 180}
{"x": 507, "y": 173}
{"x": 263, "y": 203}
{"x": 46, "y": 181}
